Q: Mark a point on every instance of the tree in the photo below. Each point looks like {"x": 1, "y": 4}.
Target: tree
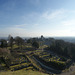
{"x": 72, "y": 51}
{"x": 19, "y": 41}
{"x": 35, "y": 44}
{"x": 11, "y": 42}
{"x": 5, "y": 56}
{"x": 3, "y": 43}
{"x": 29, "y": 41}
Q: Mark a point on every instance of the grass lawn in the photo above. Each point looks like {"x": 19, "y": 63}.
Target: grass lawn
{"x": 22, "y": 72}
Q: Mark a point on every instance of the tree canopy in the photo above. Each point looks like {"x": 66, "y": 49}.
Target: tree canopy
{"x": 35, "y": 44}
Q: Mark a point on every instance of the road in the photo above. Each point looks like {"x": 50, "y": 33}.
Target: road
{"x": 51, "y": 70}
{"x": 48, "y": 69}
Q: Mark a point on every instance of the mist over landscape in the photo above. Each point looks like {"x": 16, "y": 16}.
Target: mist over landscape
{"x": 67, "y": 39}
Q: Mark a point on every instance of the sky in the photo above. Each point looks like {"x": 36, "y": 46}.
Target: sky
{"x": 29, "y": 18}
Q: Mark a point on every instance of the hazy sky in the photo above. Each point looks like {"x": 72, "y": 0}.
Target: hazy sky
{"x": 37, "y": 17}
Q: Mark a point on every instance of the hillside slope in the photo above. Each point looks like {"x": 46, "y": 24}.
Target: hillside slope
{"x": 22, "y": 72}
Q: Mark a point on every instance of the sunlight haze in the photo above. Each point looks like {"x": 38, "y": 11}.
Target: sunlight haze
{"x": 28, "y": 18}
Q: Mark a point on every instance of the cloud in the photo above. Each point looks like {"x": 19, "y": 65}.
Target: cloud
{"x": 19, "y": 30}
{"x": 24, "y": 25}
{"x": 69, "y": 22}
{"x": 36, "y": 24}
{"x": 62, "y": 32}
{"x": 23, "y": 32}
{"x": 20, "y": 26}
{"x": 14, "y": 30}
{"x": 31, "y": 17}
{"x": 54, "y": 14}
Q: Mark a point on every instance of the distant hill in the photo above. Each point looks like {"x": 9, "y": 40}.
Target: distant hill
{"x": 67, "y": 39}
